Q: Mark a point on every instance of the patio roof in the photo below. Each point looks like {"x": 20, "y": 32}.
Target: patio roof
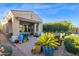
{"x": 28, "y": 20}
{"x": 21, "y": 15}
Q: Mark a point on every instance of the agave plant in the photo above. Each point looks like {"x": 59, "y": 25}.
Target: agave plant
{"x": 47, "y": 39}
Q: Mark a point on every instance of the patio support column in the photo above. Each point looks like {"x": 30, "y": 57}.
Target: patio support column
{"x": 27, "y": 27}
{"x": 5, "y": 28}
{"x": 40, "y": 27}
{"x": 15, "y": 26}
{"x": 35, "y": 28}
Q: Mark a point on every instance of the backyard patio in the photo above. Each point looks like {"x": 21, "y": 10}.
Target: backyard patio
{"x": 24, "y": 49}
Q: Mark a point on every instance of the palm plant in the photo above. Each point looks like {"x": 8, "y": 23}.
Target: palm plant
{"x": 48, "y": 40}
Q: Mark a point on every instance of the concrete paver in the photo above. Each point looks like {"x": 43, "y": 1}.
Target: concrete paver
{"x": 26, "y": 47}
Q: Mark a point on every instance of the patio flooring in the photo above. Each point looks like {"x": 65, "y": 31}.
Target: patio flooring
{"x": 62, "y": 52}
{"x": 26, "y": 47}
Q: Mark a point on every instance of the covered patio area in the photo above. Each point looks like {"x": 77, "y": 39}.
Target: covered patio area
{"x": 19, "y": 20}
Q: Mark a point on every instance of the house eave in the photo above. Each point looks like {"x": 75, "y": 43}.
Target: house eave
{"x": 28, "y": 20}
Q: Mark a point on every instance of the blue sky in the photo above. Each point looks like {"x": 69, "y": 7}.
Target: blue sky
{"x": 49, "y": 12}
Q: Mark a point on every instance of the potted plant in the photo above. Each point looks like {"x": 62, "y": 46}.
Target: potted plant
{"x": 24, "y": 40}
{"x": 47, "y": 43}
{"x": 16, "y": 41}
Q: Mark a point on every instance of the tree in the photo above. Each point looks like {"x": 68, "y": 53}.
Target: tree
{"x": 72, "y": 30}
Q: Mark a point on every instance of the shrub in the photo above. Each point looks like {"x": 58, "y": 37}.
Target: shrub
{"x": 7, "y": 50}
{"x": 24, "y": 40}
{"x": 71, "y": 43}
{"x": 36, "y": 49}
